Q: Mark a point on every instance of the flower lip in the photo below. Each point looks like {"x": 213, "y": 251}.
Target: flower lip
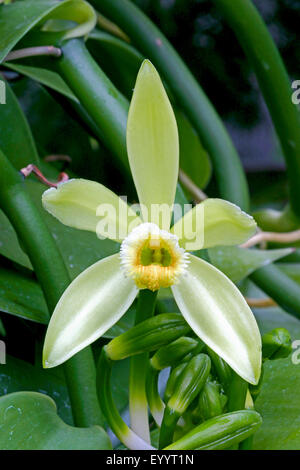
{"x": 152, "y": 257}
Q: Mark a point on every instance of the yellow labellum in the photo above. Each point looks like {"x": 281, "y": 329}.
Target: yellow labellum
{"x": 152, "y": 257}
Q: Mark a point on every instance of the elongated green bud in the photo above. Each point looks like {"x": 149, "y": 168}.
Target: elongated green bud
{"x": 187, "y": 387}
{"x": 221, "y": 368}
{"x": 220, "y": 432}
{"x": 172, "y": 380}
{"x": 210, "y": 401}
{"x": 199, "y": 349}
{"x": 172, "y": 353}
{"x": 276, "y": 344}
{"x": 189, "y": 383}
{"x": 149, "y": 335}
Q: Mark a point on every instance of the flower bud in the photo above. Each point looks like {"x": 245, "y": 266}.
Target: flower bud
{"x": 276, "y": 344}
{"x": 172, "y": 380}
{"x": 189, "y": 383}
{"x": 211, "y": 402}
{"x": 221, "y": 432}
{"x": 172, "y": 353}
{"x": 148, "y": 335}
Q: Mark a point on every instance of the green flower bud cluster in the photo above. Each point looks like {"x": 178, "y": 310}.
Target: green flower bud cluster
{"x": 196, "y": 410}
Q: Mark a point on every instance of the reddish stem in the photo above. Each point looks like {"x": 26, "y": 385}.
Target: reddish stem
{"x": 26, "y": 171}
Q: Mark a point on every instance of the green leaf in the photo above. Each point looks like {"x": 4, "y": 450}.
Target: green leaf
{"x": 278, "y": 402}
{"x": 238, "y": 263}
{"x": 194, "y": 160}
{"x": 16, "y": 140}
{"x": 19, "y": 18}
{"x": 45, "y": 77}
{"x": 20, "y": 295}
{"x": 17, "y": 375}
{"x": 28, "y": 421}
{"x": 9, "y": 244}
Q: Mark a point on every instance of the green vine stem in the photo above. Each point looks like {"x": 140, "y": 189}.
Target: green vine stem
{"x": 151, "y": 42}
{"x": 138, "y": 404}
{"x": 121, "y": 430}
{"x": 237, "y": 393}
{"x": 105, "y": 105}
{"x": 52, "y": 274}
{"x": 275, "y": 283}
{"x": 254, "y": 37}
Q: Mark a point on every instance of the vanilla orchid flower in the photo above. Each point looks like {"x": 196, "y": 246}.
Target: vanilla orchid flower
{"x": 152, "y": 255}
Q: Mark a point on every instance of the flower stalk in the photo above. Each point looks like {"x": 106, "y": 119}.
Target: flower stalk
{"x": 118, "y": 426}
{"x": 138, "y": 404}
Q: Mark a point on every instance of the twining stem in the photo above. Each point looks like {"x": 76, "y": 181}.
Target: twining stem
{"x": 260, "y": 303}
{"x": 285, "y": 237}
{"x": 188, "y": 93}
{"x": 33, "y": 52}
{"x": 138, "y": 405}
{"x": 253, "y": 35}
{"x": 53, "y": 277}
{"x": 195, "y": 191}
{"x": 116, "y": 423}
{"x": 168, "y": 426}
{"x": 26, "y": 171}
{"x": 106, "y": 106}
{"x": 284, "y": 291}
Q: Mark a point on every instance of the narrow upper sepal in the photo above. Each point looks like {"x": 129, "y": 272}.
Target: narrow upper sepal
{"x": 152, "y": 144}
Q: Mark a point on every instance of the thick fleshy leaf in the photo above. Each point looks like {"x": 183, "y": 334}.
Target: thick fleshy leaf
{"x": 238, "y": 263}
{"x": 45, "y": 77}
{"x": 88, "y": 205}
{"x": 92, "y": 304}
{"x": 152, "y": 144}
{"x": 22, "y": 296}
{"x": 29, "y": 421}
{"x": 214, "y": 222}
{"x": 9, "y": 244}
{"x": 17, "y": 375}
{"x": 19, "y": 18}
{"x": 217, "y": 312}
{"x": 280, "y": 388}
{"x": 16, "y": 140}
